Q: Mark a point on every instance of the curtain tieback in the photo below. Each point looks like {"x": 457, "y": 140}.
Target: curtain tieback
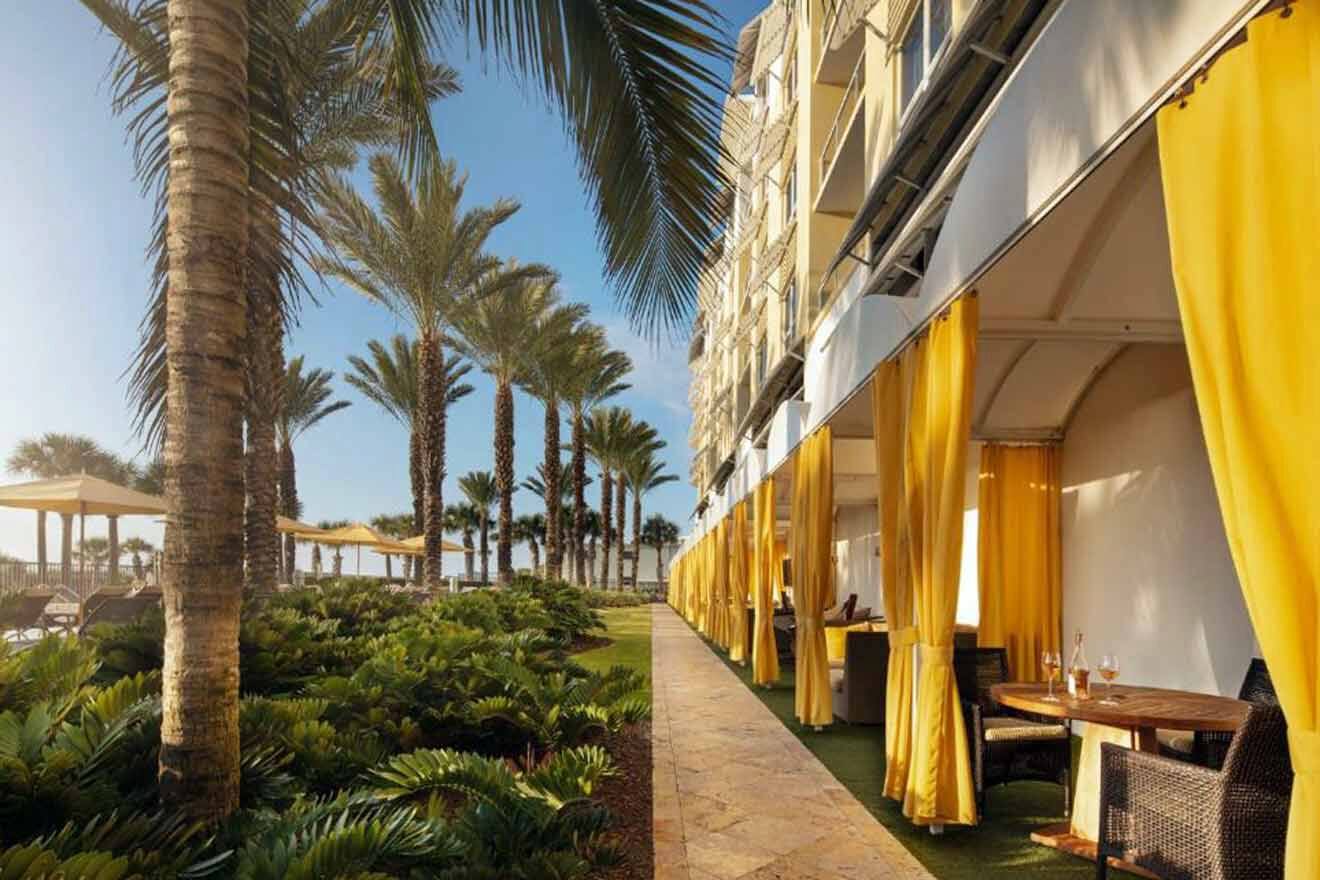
{"x": 808, "y": 620}
{"x": 937, "y": 655}
{"x": 1304, "y": 746}
{"x": 904, "y": 637}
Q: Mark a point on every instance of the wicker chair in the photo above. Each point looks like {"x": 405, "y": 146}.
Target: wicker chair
{"x": 1186, "y": 822}
{"x": 1007, "y": 746}
{"x": 1210, "y": 748}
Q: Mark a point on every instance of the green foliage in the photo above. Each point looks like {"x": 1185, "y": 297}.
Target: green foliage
{"x": 380, "y": 738}
{"x": 619, "y": 599}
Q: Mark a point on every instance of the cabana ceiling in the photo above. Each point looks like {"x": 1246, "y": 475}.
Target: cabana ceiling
{"x": 1090, "y": 279}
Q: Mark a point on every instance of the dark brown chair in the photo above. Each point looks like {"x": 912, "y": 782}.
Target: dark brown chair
{"x": 859, "y": 686}
{"x": 1210, "y": 748}
{"x": 1182, "y": 821}
{"x": 1006, "y": 745}
{"x": 20, "y": 612}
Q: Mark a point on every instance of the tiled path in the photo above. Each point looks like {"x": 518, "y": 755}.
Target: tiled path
{"x": 737, "y": 796}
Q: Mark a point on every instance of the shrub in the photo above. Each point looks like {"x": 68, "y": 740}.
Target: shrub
{"x": 626, "y": 599}
{"x": 571, "y": 617}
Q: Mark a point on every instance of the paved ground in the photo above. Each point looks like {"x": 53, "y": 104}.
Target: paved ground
{"x": 737, "y": 796}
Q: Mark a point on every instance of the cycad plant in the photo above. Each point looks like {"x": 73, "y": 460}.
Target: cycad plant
{"x": 421, "y": 255}
{"x": 390, "y": 380}
{"x": 645, "y": 473}
{"x": 503, "y": 334}
{"x": 478, "y": 487}
{"x": 597, "y": 375}
{"x": 304, "y": 401}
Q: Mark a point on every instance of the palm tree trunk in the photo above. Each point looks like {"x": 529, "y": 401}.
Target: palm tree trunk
{"x": 579, "y": 497}
{"x": 316, "y": 559}
{"x": 622, "y": 525}
{"x": 137, "y": 566}
{"x": 288, "y": 479}
{"x": 504, "y": 478}
{"x": 606, "y": 525}
{"x": 41, "y": 546}
{"x": 112, "y": 531}
{"x": 536, "y": 556}
{"x": 485, "y": 548}
{"x": 416, "y": 476}
{"x": 206, "y": 245}
{"x": 406, "y": 562}
{"x": 431, "y": 412}
{"x": 264, "y": 383}
{"x": 469, "y": 556}
{"x": 553, "y": 492}
{"x": 338, "y": 570}
{"x": 66, "y": 549}
{"x": 591, "y": 563}
{"x": 637, "y": 536}
{"x": 660, "y": 568}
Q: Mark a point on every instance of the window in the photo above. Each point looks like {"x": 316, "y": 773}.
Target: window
{"x": 758, "y": 378}
{"x": 941, "y": 22}
{"x": 790, "y": 189}
{"x": 790, "y": 79}
{"x": 911, "y": 68}
{"x": 790, "y": 311}
{"x": 922, "y": 43}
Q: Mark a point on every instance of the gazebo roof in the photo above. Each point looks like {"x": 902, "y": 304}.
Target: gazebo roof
{"x": 81, "y": 494}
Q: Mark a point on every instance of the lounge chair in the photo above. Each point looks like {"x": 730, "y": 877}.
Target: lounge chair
{"x": 21, "y": 612}
{"x": 118, "y": 605}
{"x": 1181, "y": 821}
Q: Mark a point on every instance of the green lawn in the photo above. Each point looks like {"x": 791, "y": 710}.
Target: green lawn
{"x": 997, "y": 848}
{"x": 630, "y": 628}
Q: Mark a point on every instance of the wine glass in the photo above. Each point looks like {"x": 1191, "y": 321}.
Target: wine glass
{"x": 1052, "y": 663}
{"x": 1109, "y": 671}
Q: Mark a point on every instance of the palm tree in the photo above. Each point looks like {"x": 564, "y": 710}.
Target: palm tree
{"x": 137, "y": 548}
{"x": 637, "y": 439}
{"x": 60, "y": 455}
{"x": 550, "y": 369}
{"x": 151, "y": 477}
{"x": 398, "y": 526}
{"x": 606, "y": 435}
{"x": 501, "y": 334}
{"x": 536, "y": 484}
{"x": 465, "y": 519}
{"x": 389, "y": 380}
{"x": 304, "y": 402}
{"x": 644, "y": 472}
{"x": 94, "y": 550}
{"x": 597, "y": 375}
{"x": 591, "y": 533}
{"x": 329, "y": 525}
{"x": 532, "y": 529}
{"x": 659, "y": 533}
{"x": 479, "y": 488}
{"x": 423, "y": 258}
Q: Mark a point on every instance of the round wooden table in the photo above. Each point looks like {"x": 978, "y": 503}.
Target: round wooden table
{"x": 1130, "y": 721}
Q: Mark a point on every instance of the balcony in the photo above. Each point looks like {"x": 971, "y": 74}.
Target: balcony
{"x": 842, "y": 157}
{"x": 844, "y": 40}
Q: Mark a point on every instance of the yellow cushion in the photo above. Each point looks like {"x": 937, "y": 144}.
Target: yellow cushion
{"x": 1018, "y": 729}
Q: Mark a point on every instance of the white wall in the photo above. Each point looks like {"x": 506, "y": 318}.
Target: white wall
{"x": 1146, "y": 567}
{"x": 856, "y": 567}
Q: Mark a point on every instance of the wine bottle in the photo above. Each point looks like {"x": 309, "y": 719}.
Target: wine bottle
{"x": 1079, "y": 671}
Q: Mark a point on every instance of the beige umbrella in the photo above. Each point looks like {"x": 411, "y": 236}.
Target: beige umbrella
{"x": 81, "y": 495}
{"x": 356, "y": 534}
{"x": 417, "y": 546}
{"x": 296, "y": 528}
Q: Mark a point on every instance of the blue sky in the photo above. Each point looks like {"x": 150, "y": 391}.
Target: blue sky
{"x": 75, "y": 281}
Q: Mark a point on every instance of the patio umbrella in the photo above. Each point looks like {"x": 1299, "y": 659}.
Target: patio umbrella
{"x": 417, "y": 546}
{"x": 357, "y": 535}
{"x": 296, "y": 528}
{"x": 81, "y": 495}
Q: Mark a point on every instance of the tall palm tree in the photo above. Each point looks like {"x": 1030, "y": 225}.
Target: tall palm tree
{"x": 597, "y": 375}
{"x": 659, "y": 532}
{"x": 424, "y": 258}
{"x": 637, "y": 439}
{"x": 591, "y": 533}
{"x": 532, "y": 529}
{"x": 501, "y": 334}
{"x": 304, "y": 402}
{"x": 390, "y": 381}
{"x": 137, "y": 548}
{"x": 479, "y": 488}
{"x": 60, "y": 455}
{"x": 644, "y": 472}
{"x": 465, "y": 519}
{"x": 605, "y": 435}
{"x": 550, "y": 369}
{"x": 396, "y": 526}
{"x": 329, "y": 525}
{"x": 641, "y": 103}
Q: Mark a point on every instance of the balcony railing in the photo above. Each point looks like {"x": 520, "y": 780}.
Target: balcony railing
{"x": 852, "y": 96}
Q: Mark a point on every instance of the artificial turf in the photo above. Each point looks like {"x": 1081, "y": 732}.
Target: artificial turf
{"x": 999, "y": 847}
{"x": 629, "y": 630}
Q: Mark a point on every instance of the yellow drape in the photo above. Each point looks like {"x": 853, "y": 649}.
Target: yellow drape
{"x": 719, "y": 597}
{"x": 781, "y": 553}
{"x": 1020, "y": 573}
{"x": 739, "y": 571}
{"x": 1241, "y": 170}
{"x": 765, "y": 656}
{"x": 940, "y": 783}
{"x": 889, "y": 416}
{"x": 703, "y": 601}
{"x": 812, "y": 539}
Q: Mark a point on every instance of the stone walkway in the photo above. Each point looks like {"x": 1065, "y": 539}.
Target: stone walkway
{"x": 737, "y": 795}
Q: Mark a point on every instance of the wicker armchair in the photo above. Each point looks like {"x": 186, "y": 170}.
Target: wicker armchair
{"x": 1186, "y": 822}
{"x": 1007, "y": 746}
{"x": 1210, "y": 748}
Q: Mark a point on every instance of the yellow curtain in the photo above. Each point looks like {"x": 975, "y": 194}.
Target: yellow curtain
{"x": 889, "y": 416}
{"x": 1241, "y": 170}
{"x": 740, "y": 568}
{"x": 940, "y": 779}
{"x": 1020, "y": 572}
{"x": 719, "y": 597}
{"x": 765, "y": 656}
{"x": 812, "y": 539}
{"x": 703, "y": 602}
{"x": 781, "y": 553}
